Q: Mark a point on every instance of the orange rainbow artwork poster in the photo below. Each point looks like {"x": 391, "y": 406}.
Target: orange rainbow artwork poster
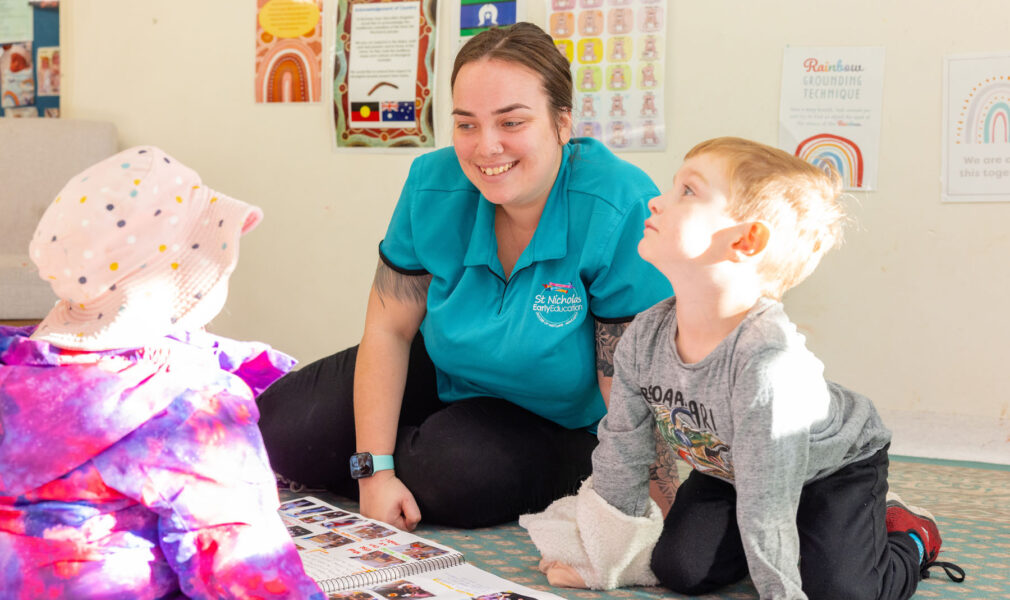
{"x": 289, "y": 49}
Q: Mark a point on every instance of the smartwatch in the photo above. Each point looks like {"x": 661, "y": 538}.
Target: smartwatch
{"x": 366, "y": 464}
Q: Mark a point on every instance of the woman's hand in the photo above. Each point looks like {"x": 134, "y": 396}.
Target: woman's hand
{"x": 561, "y": 575}
{"x": 396, "y": 307}
{"x": 386, "y": 499}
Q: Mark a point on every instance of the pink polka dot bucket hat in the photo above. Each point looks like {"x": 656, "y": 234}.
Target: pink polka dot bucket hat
{"x": 136, "y": 247}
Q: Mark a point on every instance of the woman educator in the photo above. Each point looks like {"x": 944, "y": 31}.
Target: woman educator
{"x": 507, "y": 274}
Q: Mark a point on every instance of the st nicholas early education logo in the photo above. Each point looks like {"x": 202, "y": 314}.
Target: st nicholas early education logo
{"x": 558, "y": 304}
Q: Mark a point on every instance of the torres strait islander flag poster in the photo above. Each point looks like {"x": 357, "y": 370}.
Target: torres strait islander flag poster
{"x": 476, "y": 16}
{"x": 830, "y": 109}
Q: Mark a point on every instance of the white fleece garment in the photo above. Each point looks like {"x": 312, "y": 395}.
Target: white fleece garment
{"x": 608, "y": 548}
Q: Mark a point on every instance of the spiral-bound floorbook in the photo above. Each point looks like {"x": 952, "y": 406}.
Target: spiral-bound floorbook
{"x": 356, "y": 558}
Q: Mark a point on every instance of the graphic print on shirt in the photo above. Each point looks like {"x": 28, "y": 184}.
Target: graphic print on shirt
{"x": 690, "y": 428}
{"x": 557, "y": 304}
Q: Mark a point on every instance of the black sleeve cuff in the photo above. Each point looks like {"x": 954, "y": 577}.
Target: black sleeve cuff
{"x": 613, "y": 321}
{"x": 399, "y": 270}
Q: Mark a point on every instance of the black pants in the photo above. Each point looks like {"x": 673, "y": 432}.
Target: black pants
{"x": 471, "y": 463}
{"x": 845, "y": 549}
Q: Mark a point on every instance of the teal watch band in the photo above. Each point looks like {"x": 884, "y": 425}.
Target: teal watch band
{"x": 366, "y": 464}
{"x": 381, "y": 462}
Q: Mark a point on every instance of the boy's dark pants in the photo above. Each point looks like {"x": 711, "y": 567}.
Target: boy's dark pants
{"x": 845, "y": 549}
{"x": 471, "y": 463}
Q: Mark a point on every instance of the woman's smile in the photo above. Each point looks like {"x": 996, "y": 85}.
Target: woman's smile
{"x": 497, "y": 169}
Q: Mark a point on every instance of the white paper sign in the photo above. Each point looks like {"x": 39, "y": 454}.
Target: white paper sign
{"x": 976, "y": 128}
{"x": 16, "y": 21}
{"x": 382, "y": 66}
{"x": 830, "y": 109}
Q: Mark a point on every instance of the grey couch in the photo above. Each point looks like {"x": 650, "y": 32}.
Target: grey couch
{"x": 37, "y": 157}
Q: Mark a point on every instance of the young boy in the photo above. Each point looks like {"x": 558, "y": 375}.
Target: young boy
{"x": 789, "y": 480}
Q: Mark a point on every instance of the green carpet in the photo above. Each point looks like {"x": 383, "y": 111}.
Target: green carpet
{"x": 971, "y": 502}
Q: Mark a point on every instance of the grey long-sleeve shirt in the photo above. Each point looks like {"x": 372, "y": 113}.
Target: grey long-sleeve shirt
{"x": 756, "y": 412}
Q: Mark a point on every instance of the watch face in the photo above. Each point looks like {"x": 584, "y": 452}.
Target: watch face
{"x": 361, "y": 465}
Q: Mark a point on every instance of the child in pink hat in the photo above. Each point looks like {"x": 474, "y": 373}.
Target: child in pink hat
{"x": 131, "y": 465}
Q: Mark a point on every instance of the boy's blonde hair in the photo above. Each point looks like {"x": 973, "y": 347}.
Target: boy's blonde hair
{"x": 798, "y": 201}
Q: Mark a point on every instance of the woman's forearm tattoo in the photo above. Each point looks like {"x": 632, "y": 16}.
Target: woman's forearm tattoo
{"x": 607, "y": 336}
{"x": 405, "y": 288}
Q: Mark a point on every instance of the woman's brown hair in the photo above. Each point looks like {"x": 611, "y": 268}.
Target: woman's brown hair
{"x": 527, "y": 45}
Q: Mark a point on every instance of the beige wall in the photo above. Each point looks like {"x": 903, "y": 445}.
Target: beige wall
{"x": 911, "y": 310}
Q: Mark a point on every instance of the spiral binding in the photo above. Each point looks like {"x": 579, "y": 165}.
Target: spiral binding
{"x": 388, "y": 574}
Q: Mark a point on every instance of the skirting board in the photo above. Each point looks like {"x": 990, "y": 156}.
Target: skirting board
{"x": 948, "y": 436}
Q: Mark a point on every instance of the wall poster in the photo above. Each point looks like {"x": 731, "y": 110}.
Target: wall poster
{"x": 29, "y": 58}
{"x": 476, "y": 16}
{"x": 976, "y": 128}
{"x": 617, "y": 51}
{"x": 17, "y": 76}
{"x": 830, "y": 109}
{"x": 15, "y": 21}
{"x": 289, "y": 50}
{"x": 382, "y": 86}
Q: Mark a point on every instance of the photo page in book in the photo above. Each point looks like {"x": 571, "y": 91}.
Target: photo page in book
{"x": 356, "y": 558}
{"x": 351, "y": 550}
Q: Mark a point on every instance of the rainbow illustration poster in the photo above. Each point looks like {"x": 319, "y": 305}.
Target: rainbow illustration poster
{"x": 829, "y": 113}
{"x": 976, "y": 128}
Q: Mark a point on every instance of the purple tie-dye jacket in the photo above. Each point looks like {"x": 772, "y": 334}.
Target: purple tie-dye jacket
{"x": 140, "y": 473}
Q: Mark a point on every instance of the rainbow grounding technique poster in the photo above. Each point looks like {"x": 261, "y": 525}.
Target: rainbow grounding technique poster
{"x": 976, "y": 128}
{"x": 617, "y": 51}
{"x": 829, "y": 113}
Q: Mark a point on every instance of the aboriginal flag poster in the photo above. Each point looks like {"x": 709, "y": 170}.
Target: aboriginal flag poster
{"x": 382, "y": 82}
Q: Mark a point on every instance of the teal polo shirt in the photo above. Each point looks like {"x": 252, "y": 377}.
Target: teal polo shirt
{"x": 529, "y": 338}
